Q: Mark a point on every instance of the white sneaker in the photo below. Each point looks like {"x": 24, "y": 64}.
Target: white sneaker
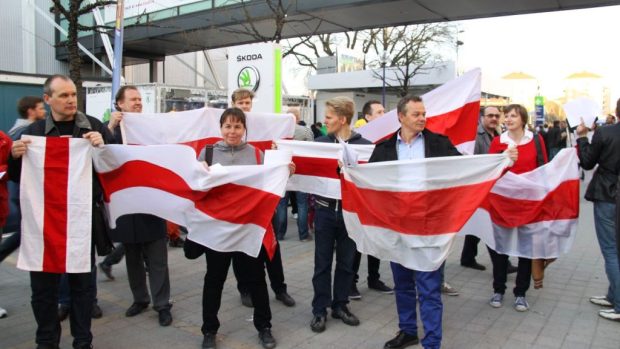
{"x": 601, "y": 300}
{"x": 609, "y": 314}
{"x": 295, "y": 216}
{"x": 3, "y": 313}
{"x": 496, "y": 300}
{"x": 521, "y": 304}
{"x": 448, "y": 290}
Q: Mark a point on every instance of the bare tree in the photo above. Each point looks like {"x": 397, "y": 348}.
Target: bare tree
{"x": 76, "y": 9}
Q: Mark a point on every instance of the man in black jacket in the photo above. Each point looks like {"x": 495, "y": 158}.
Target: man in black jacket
{"x": 414, "y": 141}
{"x": 604, "y": 151}
{"x": 59, "y": 92}
{"x": 330, "y": 232}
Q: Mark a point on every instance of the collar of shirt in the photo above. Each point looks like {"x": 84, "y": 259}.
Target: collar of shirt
{"x": 413, "y": 150}
{"x": 527, "y": 137}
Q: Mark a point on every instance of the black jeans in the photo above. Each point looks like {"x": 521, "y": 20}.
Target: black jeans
{"x": 251, "y": 274}
{"x": 373, "y": 268}
{"x": 45, "y": 307}
{"x": 275, "y": 270}
{"x": 470, "y": 249}
{"x": 116, "y": 256}
{"x": 500, "y": 273}
{"x": 9, "y": 245}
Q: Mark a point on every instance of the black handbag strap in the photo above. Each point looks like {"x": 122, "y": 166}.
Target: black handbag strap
{"x": 209, "y": 154}
{"x": 540, "y": 158}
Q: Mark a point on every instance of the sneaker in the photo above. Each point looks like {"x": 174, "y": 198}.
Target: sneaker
{"x": 601, "y": 300}
{"x": 345, "y": 315}
{"x": 3, "y": 313}
{"x": 208, "y": 341}
{"x": 107, "y": 270}
{"x": 246, "y": 300}
{"x": 380, "y": 286}
{"x": 609, "y": 314}
{"x": 354, "y": 293}
{"x": 496, "y": 300}
{"x": 295, "y": 216}
{"x": 521, "y": 304}
{"x": 266, "y": 338}
{"x": 448, "y": 290}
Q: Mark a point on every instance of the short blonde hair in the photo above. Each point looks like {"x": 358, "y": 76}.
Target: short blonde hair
{"x": 342, "y": 106}
{"x": 241, "y": 93}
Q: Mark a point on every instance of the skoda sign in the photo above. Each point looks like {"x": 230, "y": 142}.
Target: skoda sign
{"x": 248, "y": 78}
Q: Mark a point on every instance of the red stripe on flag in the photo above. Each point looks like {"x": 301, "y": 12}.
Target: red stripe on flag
{"x": 459, "y": 125}
{"x": 424, "y": 213}
{"x": 231, "y": 203}
{"x": 319, "y": 167}
{"x": 561, "y": 203}
{"x": 55, "y": 189}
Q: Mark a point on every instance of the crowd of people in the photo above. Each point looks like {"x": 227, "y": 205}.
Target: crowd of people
{"x": 143, "y": 238}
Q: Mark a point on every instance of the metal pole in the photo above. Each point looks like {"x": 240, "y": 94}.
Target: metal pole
{"x": 383, "y": 90}
{"x": 118, "y": 50}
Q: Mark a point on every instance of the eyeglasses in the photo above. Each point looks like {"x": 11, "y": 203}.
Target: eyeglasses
{"x": 496, "y": 116}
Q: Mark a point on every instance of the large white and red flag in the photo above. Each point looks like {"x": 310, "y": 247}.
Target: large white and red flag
{"x": 316, "y": 165}
{"x": 533, "y": 214}
{"x": 200, "y": 127}
{"x": 226, "y": 208}
{"x": 410, "y": 211}
{"x": 452, "y": 109}
{"x": 56, "y": 204}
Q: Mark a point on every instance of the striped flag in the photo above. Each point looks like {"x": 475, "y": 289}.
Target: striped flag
{"x": 200, "y": 127}
{"x": 56, "y": 205}
{"x": 452, "y": 109}
{"x": 316, "y": 165}
{"x": 533, "y": 214}
{"x": 410, "y": 211}
{"x": 226, "y": 208}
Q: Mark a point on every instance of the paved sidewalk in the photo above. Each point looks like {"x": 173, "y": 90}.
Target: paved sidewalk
{"x": 560, "y": 315}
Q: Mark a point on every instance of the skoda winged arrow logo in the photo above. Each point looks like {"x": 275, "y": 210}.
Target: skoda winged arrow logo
{"x": 248, "y": 78}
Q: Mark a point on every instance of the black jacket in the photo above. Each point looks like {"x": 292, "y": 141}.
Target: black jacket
{"x": 604, "y": 151}
{"x": 435, "y": 145}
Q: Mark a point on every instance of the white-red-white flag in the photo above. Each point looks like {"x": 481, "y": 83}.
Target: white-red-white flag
{"x": 316, "y": 165}
{"x": 452, "y": 109}
{"x": 226, "y": 208}
{"x": 410, "y": 211}
{"x": 533, "y": 214}
{"x": 56, "y": 204}
{"x": 200, "y": 127}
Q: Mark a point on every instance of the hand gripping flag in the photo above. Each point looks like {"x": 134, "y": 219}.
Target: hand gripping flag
{"x": 56, "y": 204}
{"x": 533, "y": 214}
{"x": 452, "y": 109}
{"x": 200, "y": 127}
{"x": 409, "y": 211}
{"x": 224, "y": 208}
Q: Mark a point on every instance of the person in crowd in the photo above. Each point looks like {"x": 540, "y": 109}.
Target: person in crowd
{"x": 554, "y": 137}
{"x": 372, "y": 110}
{"x": 316, "y": 129}
{"x": 251, "y": 270}
{"x": 414, "y": 141}
{"x": 143, "y": 236}
{"x": 610, "y": 120}
{"x": 603, "y": 192}
{"x": 5, "y": 151}
{"x": 242, "y": 99}
{"x": 301, "y": 203}
{"x": 528, "y": 152}
{"x": 330, "y": 232}
{"x": 60, "y": 93}
{"x": 112, "y": 259}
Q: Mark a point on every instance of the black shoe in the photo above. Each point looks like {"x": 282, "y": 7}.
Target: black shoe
{"x": 474, "y": 265}
{"x": 97, "y": 313}
{"x": 402, "y": 340}
{"x": 165, "y": 317}
{"x": 286, "y": 299}
{"x": 318, "y": 323}
{"x": 380, "y": 286}
{"x": 107, "y": 270}
{"x": 512, "y": 269}
{"x": 63, "y": 312}
{"x": 208, "y": 342}
{"x": 354, "y": 294}
{"x": 266, "y": 338}
{"x": 136, "y": 309}
{"x": 346, "y": 316}
{"x": 246, "y": 300}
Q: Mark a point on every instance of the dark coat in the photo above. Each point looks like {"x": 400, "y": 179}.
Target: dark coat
{"x": 136, "y": 228}
{"x": 604, "y": 151}
{"x": 435, "y": 145}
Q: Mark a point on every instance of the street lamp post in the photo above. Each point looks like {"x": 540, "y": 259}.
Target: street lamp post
{"x": 384, "y": 61}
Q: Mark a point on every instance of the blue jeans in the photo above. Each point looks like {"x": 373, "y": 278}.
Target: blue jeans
{"x": 605, "y": 225}
{"x": 330, "y": 232}
{"x": 427, "y": 286}
{"x": 280, "y": 218}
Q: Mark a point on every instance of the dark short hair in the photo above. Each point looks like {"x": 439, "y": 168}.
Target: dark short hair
{"x": 367, "y": 108}
{"x": 47, "y": 85}
{"x": 241, "y": 93}
{"x": 520, "y": 110}
{"x": 120, "y": 94}
{"x": 25, "y": 103}
{"x": 401, "y": 107}
{"x": 233, "y": 114}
